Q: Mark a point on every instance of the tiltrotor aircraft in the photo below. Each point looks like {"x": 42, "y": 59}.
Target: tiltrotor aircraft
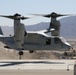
{"x": 35, "y": 40}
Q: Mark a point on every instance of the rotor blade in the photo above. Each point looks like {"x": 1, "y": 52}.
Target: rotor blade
{"x": 44, "y": 15}
{"x": 49, "y": 15}
{"x": 53, "y": 15}
{"x": 23, "y": 18}
{"x": 15, "y": 17}
{"x": 11, "y": 17}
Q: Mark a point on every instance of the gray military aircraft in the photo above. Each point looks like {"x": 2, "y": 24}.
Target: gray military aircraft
{"x": 35, "y": 40}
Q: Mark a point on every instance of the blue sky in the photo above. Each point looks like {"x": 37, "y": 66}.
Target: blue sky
{"x": 25, "y": 7}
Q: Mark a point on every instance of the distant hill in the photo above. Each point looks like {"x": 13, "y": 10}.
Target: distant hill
{"x": 68, "y": 27}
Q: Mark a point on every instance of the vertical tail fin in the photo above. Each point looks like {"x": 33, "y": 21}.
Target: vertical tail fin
{"x": 1, "y": 33}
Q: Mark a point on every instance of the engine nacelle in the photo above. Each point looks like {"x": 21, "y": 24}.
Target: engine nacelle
{"x": 56, "y": 25}
{"x": 20, "y": 33}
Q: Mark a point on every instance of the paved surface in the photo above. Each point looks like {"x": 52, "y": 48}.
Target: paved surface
{"x": 35, "y": 72}
{"x": 36, "y": 67}
{"x": 37, "y": 64}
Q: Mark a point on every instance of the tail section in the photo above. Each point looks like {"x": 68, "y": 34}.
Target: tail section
{"x": 1, "y": 33}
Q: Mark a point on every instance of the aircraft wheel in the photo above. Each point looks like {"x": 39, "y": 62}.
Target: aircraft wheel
{"x": 31, "y": 51}
{"x": 20, "y": 53}
{"x": 65, "y": 53}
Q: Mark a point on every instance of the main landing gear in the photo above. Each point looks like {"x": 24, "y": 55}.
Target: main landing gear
{"x": 20, "y": 54}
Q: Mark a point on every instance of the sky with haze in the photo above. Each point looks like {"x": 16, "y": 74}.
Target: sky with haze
{"x": 26, "y": 7}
